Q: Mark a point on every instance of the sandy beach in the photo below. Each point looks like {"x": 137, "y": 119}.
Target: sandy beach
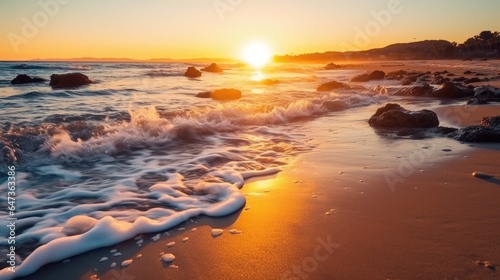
{"x": 360, "y": 206}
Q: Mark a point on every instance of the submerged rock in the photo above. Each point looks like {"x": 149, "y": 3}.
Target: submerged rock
{"x": 393, "y": 115}
{"x": 331, "y": 66}
{"x": 214, "y": 68}
{"x": 192, "y": 72}
{"x": 330, "y": 86}
{"x": 25, "y": 79}
{"x": 69, "y": 80}
{"x": 487, "y": 131}
{"x": 226, "y": 94}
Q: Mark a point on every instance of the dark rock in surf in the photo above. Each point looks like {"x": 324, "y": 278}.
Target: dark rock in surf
{"x": 204, "y": 94}
{"x": 330, "y": 86}
{"x": 418, "y": 90}
{"x": 226, "y": 94}
{"x": 487, "y": 131}
{"x": 331, "y": 66}
{"x": 69, "y": 80}
{"x": 451, "y": 90}
{"x": 460, "y": 79}
{"x": 214, "y": 68}
{"x": 192, "y": 72}
{"x": 376, "y": 75}
{"x": 472, "y": 80}
{"x": 361, "y": 78}
{"x": 394, "y": 116}
{"x": 25, "y": 79}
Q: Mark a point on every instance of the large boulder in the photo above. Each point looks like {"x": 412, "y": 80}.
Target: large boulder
{"x": 25, "y": 79}
{"x": 69, "y": 80}
{"x": 192, "y": 72}
{"x": 330, "y": 86}
{"x": 488, "y": 131}
{"x": 226, "y": 94}
{"x": 394, "y": 116}
{"x": 214, "y": 68}
{"x": 451, "y": 90}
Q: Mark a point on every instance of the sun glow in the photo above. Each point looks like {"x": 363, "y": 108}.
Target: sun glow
{"x": 257, "y": 54}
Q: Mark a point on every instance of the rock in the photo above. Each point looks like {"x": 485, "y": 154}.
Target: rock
{"x": 468, "y": 72}
{"x": 450, "y": 90}
{"x": 331, "y": 66}
{"x": 192, "y": 72}
{"x": 204, "y": 94}
{"x": 361, "y": 78}
{"x": 226, "y": 94}
{"x": 422, "y": 133}
{"x": 488, "y": 131}
{"x": 419, "y": 90}
{"x": 410, "y": 80}
{"x": 269, "y": 82}
{"x": 461, "y": 79}
{"x": 25, "y": 79}
{"x": 214, "y": 68}
{"x": 482, "y": 92}
{"x": 393, "y": 115}
{"x": 330, "y": 85}
{"x": 69, "y": 80}
{"x": 472, "y": 80}
{"x": 376, "y": 75}
{"x": 476, "y": 101}
{"x": 439, "y": 80}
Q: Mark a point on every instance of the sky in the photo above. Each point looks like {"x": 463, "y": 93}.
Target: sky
{"x": 183, "y": 29}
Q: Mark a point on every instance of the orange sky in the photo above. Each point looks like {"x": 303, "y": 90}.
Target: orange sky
{"x": 221, "y": 28}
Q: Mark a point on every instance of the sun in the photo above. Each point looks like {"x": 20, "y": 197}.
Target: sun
{"x": 257, "y": 54}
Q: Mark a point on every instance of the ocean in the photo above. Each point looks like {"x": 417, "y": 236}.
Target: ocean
{"x": 136, "y": 152}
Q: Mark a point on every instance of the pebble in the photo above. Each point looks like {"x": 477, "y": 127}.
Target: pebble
{"x": 66, "y": 261}
{"x": 138, "y": 237}
{"x": 330, "y": 212}
{"x": 94, "y": 277}
{"x": 138, "y": 256}
{"x": 193, "y": 229}
{"x": 117, "y": 254}
{"x": 126, "y": 263}
{"x": 234, "y": 231}
{"x": 315, "y": 196}
{"x": 113, "y": 251}
{"x": 185, "y": 239}
{"x": 216, "y": 232}
{"x": 112, "y": 265}
{"x": 487, "y": 264}
{"x": 173, "y": 266}
{"x": 482, "y": 175}
{"x": 140, "y": 241}
{"x": 168, "y": 258}
{"x": 171, "y": 244}
{"x": 179, "y": 229}
{"x": 156, "y": 237}
{"x": 103, "y": 259}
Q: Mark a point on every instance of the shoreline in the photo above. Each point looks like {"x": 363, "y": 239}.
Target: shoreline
{"x": 320, "y": 218}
